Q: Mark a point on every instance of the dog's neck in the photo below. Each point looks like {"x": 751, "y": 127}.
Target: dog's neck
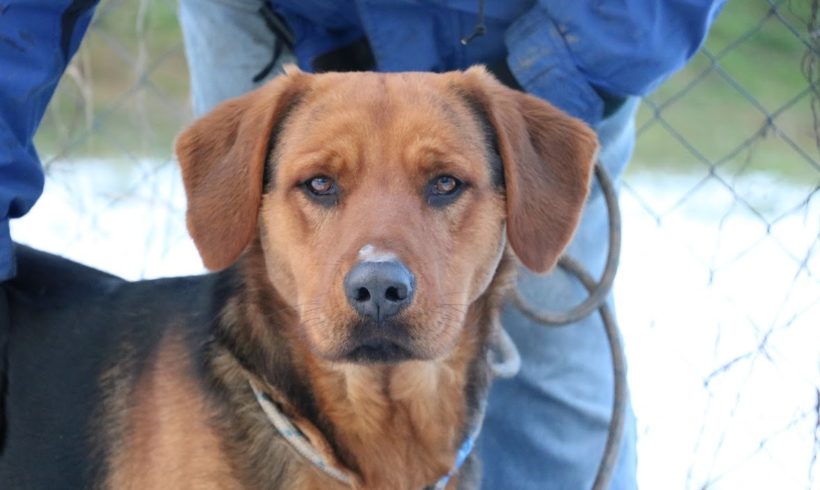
{"x": 391, "y": 426}
{"x": 404, "y": 423}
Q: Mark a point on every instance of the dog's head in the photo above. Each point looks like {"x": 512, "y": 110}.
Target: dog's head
{"x": 384, "y": 202}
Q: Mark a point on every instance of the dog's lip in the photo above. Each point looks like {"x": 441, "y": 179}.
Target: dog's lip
{"x": 378, "y": 350}
{"x": 371, "y": 342}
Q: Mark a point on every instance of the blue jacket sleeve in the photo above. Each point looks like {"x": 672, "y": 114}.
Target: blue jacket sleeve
{"x": 570, "y": 52}
{"x": 37, "y": 40}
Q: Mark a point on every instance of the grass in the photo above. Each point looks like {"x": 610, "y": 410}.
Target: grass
{"x": 717, "y": 118}
{"x": 108, "y": 107}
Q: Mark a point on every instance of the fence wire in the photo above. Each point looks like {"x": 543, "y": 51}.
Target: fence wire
{"x": 718, "y": 294}
{"x": 731, "y": 332}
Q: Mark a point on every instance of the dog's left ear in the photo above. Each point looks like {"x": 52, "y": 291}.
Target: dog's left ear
{"x": 548, "y": 158}
{"x": 222, "y": 156}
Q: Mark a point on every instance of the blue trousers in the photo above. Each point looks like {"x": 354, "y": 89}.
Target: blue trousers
{"x": 545, "y": 428}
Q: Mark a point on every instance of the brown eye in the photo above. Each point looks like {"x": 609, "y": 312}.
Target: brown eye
{"x": 322, "y": 190}
{"x": 321, "y": 186}
{"x": 443, "y": 190}
{"x": 445, "y": 184}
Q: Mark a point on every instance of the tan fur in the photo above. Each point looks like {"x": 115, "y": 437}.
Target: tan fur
{"x": 169, "y": 442}
{"x": 547, "y": 167}
{"x": 382, "y": 139}
{"x": 400, "y": 425}
{"x": 401, "y": 422}
{"x": 225, "y": 185}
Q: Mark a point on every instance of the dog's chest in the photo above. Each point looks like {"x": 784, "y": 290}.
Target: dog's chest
{"x": 401, "y": 424}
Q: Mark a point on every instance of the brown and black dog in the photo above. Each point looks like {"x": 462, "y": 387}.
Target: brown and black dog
{"x": 364, "y": 227}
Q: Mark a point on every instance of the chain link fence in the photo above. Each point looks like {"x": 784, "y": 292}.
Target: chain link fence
{"x": 719, "y": 290}
{"x": 721, "y": 234}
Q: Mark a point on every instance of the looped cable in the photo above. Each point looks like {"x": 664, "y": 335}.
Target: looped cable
{"x": 598, "y": 292}
{"x": 616, "y": 424}
{"x": 598, "y": 295}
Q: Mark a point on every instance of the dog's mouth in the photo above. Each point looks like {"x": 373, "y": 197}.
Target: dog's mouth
{"x": 383, "y": 351}
{"x": 387, "y": 342}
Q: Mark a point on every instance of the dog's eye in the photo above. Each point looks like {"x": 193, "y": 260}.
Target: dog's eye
{"x": 321, "y": 186}
{"x": 322, "y": 189}
{"x": 445, "y": 185}
{"x": 443, "y": 190}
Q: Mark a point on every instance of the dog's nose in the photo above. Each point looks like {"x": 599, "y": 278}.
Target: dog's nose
{"x": 379, "y": 290}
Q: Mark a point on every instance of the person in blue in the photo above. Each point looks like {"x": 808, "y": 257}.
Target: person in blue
{"x": 546, "y": 427}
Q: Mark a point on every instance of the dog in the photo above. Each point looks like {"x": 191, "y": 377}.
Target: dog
{"x": 363, "y": 230}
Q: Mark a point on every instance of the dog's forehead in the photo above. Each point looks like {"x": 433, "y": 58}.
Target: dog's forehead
{"x": 362, "y": 86}
{"x": 397, "y": 110}
{"x": 381, "y": 97}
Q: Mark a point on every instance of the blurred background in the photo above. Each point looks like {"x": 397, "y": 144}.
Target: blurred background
{"x": 718, "y": 295}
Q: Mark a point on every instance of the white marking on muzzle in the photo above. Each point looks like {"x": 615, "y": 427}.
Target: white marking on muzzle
{"x": 369, "y": 253}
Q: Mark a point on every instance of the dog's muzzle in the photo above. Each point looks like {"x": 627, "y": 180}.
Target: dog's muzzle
{"x": 378, "y": 292}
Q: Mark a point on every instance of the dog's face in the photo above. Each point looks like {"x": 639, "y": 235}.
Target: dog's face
{"x": 388, "y": 200}
{"x": 384, "y": 220}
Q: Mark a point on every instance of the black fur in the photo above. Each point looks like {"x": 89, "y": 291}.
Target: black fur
{"x": 268, "y": 172}
{"x": 68, "y": 324}
{"x": 490, "y": 137}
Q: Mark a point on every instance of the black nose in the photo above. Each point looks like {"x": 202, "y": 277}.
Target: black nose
{"x": 379, "y": 290}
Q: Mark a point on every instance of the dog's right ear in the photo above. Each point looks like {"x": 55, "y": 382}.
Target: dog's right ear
{"x": 223, "y": 157}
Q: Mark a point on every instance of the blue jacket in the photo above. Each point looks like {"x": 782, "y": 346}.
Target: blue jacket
{"x": 566, "y": 51}
{"x": 37, "y": 40}
{"x": 570, "y": 52}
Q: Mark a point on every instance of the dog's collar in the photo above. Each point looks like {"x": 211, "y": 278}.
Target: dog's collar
{"x": 302, "y": 445}
{"x": 465, "y": 449}
{"x": 504, "y": 362}
{"x": 298, "y": 440}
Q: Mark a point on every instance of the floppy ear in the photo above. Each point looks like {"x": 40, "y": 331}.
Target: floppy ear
{"x": 548, "y": 157}
{"x": 223, "y": 156}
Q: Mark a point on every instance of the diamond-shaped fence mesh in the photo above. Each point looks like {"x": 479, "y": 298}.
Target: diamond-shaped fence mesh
{"x": 718, "y": 295}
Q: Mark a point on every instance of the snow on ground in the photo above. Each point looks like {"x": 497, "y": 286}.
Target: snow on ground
{"x": 721, "y": 319}
{"x": 718, "y": 298}
{"x": 125, "y": 219}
